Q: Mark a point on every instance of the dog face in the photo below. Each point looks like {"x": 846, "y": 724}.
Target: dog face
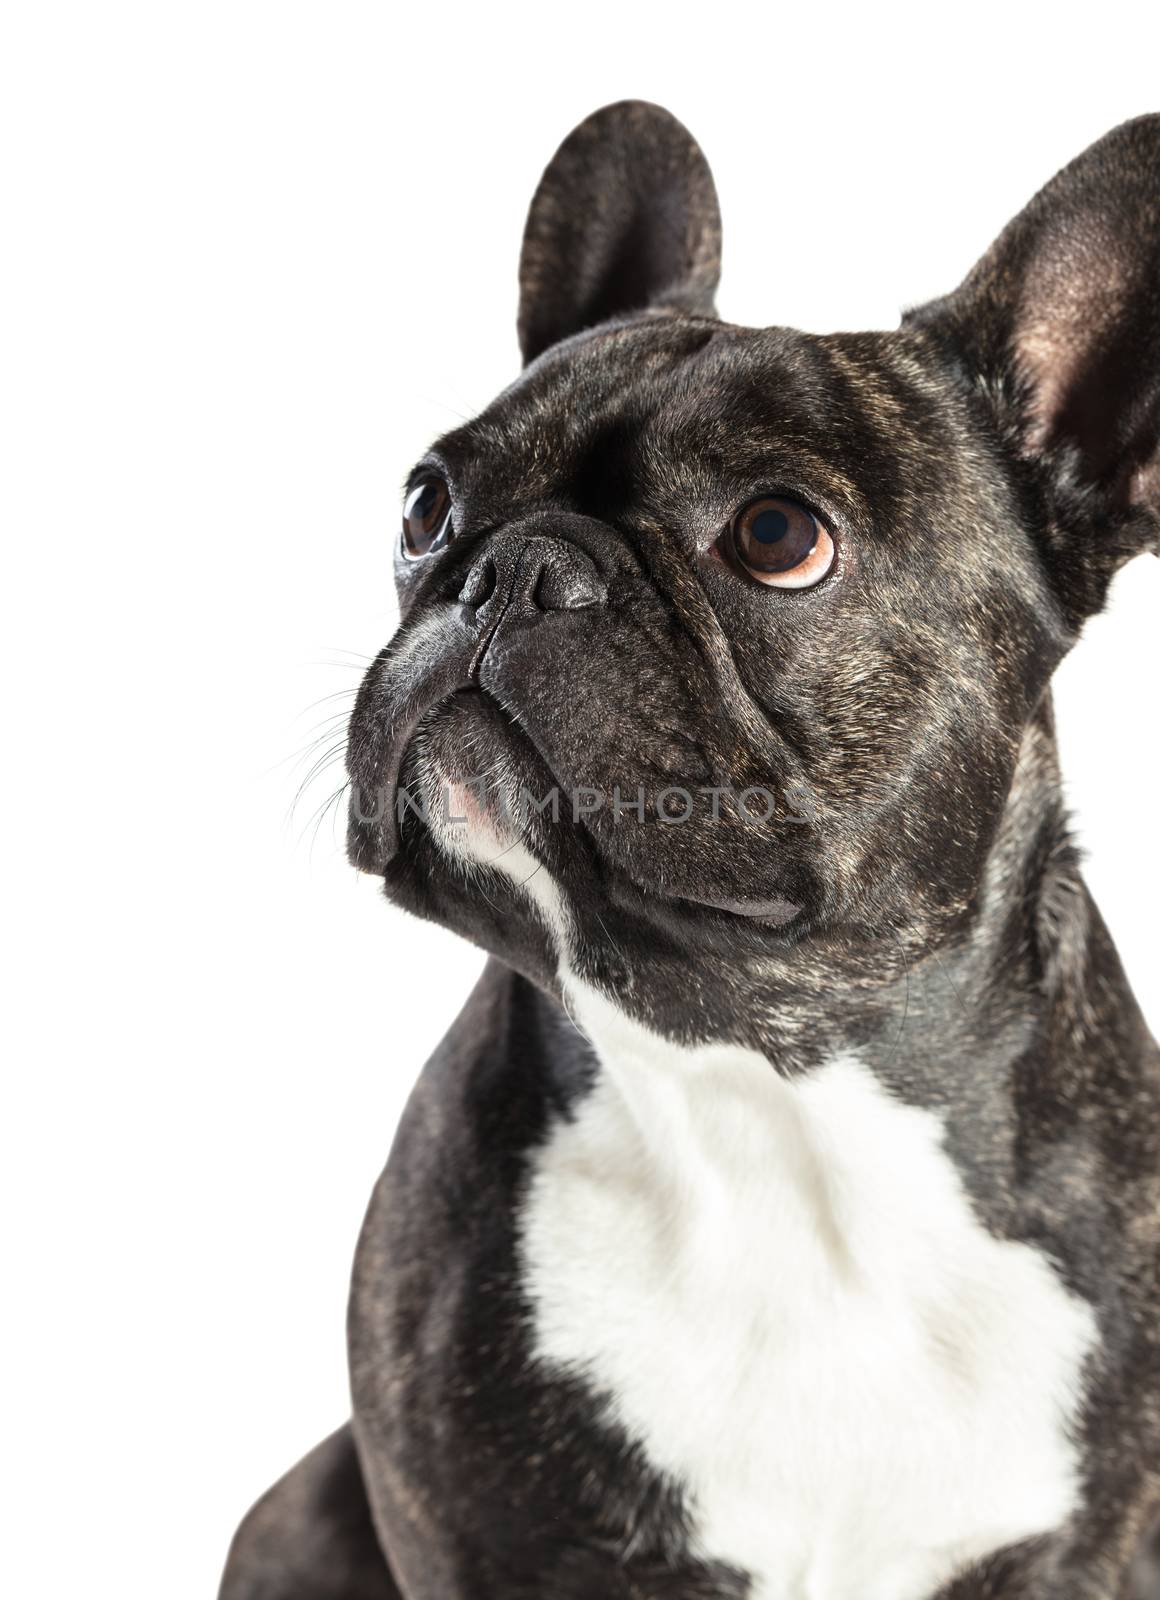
{"x": 737, "y": 633}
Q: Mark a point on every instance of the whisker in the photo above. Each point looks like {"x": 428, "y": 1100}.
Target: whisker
{"x": 954, "y": 986}
{"x": 507, "y": 849}
{"x": 328, "y": 735}
{"x": 442, "y": 405}
{"x": 337, "y": 694}
{"x": 317, "y": 735}
{"x": 531, "y": 874}
{"x": 325, "y": 760}
{"x": 905, "y": 1015}
{"x": 352, "y": 655}
{"x": 328, "y": 806}
{"x": 330, "y": 722}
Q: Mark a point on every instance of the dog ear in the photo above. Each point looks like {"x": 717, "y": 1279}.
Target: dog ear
{"x": 1060, "y": 323}
{"x": 625, "y": 218}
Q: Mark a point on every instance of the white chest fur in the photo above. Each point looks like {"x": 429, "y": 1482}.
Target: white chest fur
{"x": 786, "y": 1292}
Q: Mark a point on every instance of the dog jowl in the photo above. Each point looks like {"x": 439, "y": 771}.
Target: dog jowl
{"x": 781, "y": 1217}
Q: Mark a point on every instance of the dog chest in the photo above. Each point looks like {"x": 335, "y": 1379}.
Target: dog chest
{"x": 785, "y": 1294}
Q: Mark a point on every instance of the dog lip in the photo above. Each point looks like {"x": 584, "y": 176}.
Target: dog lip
{"x": 449, "y": 679}
{"x": 779, "y": 913}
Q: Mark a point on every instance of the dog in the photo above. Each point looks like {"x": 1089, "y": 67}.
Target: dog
{"x": 780, "y": 1218}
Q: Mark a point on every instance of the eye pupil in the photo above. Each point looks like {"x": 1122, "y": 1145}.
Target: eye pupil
{"x": 426, "y": 516}
{"x": 768, "y": 526}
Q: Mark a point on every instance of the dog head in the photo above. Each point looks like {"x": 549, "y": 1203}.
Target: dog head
{"x": 733, "y": 635}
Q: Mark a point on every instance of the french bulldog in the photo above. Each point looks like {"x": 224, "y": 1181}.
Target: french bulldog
{"x": 780, "y": 1218}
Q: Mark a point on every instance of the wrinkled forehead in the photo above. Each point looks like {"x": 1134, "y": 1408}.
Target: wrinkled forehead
{"x": 651, "y": 414}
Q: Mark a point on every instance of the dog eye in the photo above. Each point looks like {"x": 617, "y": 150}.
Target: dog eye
{"x": 426, "y": 517}
{"x": 780, "y": 543}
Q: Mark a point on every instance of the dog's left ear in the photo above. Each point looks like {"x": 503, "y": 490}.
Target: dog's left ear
{"x": 1060, "y": 323}
{"x": 625, "y": 218}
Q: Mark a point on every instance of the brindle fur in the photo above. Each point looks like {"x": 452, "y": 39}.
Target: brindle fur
{"x": 988, "y": 468}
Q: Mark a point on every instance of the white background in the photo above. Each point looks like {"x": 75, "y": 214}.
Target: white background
{"x": 256, "y": 256}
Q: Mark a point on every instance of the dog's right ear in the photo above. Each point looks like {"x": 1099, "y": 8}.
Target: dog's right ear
{"x": 625, "y": 218}
{"x": 1059, "y": 327}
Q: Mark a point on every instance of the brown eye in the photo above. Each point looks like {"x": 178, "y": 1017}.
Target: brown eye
{"x": 426, "y": 516}
{"x": 780, "y": 543}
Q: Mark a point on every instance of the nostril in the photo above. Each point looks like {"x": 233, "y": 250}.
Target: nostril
{"x": 568, "y": 585}
{"x": 480, "y": 582}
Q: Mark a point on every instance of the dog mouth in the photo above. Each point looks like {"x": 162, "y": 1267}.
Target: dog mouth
{"x": 579, "y": 810}
{"x": 407, "y": 683}
{"x": 778, "y": 913}
{"x": 449, "y": 736}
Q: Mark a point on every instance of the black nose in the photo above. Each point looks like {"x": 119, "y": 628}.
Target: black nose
{"x": 539, "y": 574}
{"x": 516, "y": 579}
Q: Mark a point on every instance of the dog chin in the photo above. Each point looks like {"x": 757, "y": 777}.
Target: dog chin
{"x": 463, "y": 778}
{"x": 467, "y": 830}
